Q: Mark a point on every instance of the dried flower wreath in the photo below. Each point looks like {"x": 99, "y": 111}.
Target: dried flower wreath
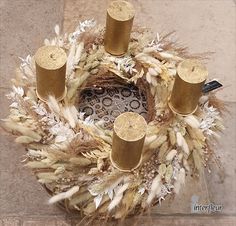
{"x": 70, "y": 153}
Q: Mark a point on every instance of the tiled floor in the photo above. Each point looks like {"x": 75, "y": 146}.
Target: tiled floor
{"x": 203, "y": 25}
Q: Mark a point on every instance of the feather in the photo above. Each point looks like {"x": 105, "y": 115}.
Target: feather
{"x": 80, "y": 198}
{"x": 192, "y": 121}
{"x": 152, "y": 71}
{"x": 155, "y": 189}
{"x": 70, "y": 59}
{"x": 68, "y": 116}
{"x": 74, "y": 113}
{"x": 158, "y": 142}
{"x": 23, "y": 130}
{"x": 57, "y": 29}
{"x": 118, "y": 196}
{"x": 64, "y": 195}
{"x": 46, "y": 42}
{"x": 166, "y": 55}
{"x": 53, "y": 105}
{"x": 171, "y": 155}
{"x": 37, "y": 165}
{"x": 179, "y": 139}
{"x": 78, "y": 53}
{"x": 80, "y": 161}
{"x": 154, "y": 81}
{"x": 24, "y": 140}
{"x": 149, "y": 139}
{"x": 185, "y": 146}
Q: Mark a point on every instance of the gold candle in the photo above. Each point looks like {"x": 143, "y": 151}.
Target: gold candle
{"x": 50, "y": 64}
{"x": 187, "y": 89}
{"x": 120, "y": 15}
{"x": 128, "y": 138}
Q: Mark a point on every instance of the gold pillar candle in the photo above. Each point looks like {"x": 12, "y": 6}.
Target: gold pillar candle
{"x": 120, "y": 15}
{"x": 187, "y": 89}
{"x": 128, "y": 138}
{"x": 50, "y": 64}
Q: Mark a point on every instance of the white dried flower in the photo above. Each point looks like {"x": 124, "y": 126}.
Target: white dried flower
{"x": 156, "y": 44}
{"x": 118, "y": 197}
{"x": 98, "y": 200}
{"x": 63, "y": 195}
{"x": 57, "y": 29}
{"x": 211, "y": 114}
{"x": 81, "y": 29}
{"x": 192, "y": 121}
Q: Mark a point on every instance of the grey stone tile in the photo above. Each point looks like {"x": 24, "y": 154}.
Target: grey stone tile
{"x": 24, "y": 25}
{"x": 10, "y": 221}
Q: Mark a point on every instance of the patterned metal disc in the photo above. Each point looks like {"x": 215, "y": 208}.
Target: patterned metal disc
{"x": 107, "y": 104}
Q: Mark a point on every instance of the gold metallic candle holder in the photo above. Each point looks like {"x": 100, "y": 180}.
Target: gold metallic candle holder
{"x": 120, "y": 15}
{"x": 128, "y": 138}
{"x": 187, "y": 89}
{"x": 50, "y": 64}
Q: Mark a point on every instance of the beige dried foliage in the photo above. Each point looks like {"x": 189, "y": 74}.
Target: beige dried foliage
{"x": 189, "y": 142}
{"x": 25, "y": 131}
{"x": 163, "y": 150}
{"x": 196, "y": 133}
{"x": 24, "y": 140}
{"x": 47, "y": 177}
{"x": 197, "y": 160}
{"x": 79, "y": 198}
{"x": 127, "y": 200}
{"x": 169, "y": 173}
{"x": 158, "y": 142}
{"x": 80, "y": 161}
{"x": 37, "y": 165}
{"x": 172, "y": 137}
{"x": 162, "y": 169}
{"x": 109, "y": 180}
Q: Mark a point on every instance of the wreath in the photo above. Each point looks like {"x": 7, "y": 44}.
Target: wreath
{"x": 69, "y": 151}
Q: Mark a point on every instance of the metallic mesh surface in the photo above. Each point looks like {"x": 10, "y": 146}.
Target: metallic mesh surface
{"x": 107, "y": 103}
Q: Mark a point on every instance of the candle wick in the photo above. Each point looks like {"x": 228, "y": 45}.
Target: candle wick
{"x": 193, "y": 69}
{"x": 52, "y": 56}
